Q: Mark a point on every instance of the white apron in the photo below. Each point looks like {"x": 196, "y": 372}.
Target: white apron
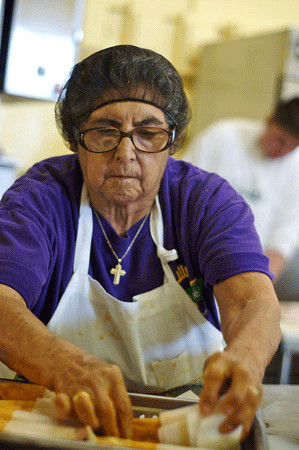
{"x": 160, "y": 340}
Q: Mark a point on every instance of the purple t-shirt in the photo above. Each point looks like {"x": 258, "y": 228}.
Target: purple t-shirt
{"x": 205, "y": 220}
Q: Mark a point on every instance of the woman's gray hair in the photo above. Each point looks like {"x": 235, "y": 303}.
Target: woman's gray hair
{"x": 122, "y": 72}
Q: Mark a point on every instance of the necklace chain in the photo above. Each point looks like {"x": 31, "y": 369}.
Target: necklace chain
{"x": 117, "y": 271}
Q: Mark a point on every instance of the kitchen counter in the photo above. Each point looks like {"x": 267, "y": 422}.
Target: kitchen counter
{"x": 280, "y": 410}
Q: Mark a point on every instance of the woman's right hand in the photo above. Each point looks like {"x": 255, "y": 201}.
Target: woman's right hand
{"x": 32, "y": 350}
{"x": 95, "y": 392}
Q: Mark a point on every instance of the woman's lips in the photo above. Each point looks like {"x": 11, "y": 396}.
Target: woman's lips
{"x": 124, "y": 177}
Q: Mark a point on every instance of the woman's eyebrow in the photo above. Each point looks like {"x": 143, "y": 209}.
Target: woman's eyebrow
{"x": 148, "y": 121}
{"x": 105, "y": 121}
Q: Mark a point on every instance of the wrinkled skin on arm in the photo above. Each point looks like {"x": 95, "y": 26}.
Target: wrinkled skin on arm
{"x": 250, "y": 317}
{"x": 30, "y": 349}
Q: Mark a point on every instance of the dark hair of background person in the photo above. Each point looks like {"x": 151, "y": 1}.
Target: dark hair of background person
{"x": 286, "y": 115}
{"x": 120, "y": 72}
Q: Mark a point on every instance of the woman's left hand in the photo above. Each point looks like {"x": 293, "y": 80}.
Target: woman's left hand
{"x": 233, "y": 378}
{"x": 232, "y": 389}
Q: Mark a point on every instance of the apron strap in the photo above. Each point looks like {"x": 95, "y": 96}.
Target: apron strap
{"x": 157, "y": 232}
{"x": 84, "y": 234}
{"x": 167, "y": 255}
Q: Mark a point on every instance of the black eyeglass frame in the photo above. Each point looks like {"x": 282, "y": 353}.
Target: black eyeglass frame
{"x": 79, "y": 135}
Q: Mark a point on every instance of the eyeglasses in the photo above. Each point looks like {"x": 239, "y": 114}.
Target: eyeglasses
{"x": 145, "y": 139}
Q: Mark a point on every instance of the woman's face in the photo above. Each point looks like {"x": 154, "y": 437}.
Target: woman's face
{"x": 124, "y": 175}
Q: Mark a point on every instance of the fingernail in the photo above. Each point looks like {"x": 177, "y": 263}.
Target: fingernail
{"x": 253, "y": 390}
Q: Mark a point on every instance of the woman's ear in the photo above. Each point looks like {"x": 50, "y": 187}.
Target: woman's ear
{"x": 74, "y": 147}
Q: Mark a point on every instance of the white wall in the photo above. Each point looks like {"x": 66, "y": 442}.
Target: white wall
{"x": 176, "y": 28}
{"x": 28, "y": 131}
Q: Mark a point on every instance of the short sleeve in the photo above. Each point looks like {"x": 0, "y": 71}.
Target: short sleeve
{"x": 228, "y": 243}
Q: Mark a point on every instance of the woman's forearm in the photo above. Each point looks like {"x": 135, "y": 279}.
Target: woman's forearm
{"x": 29, "y": 348}
{"x": 250, "y": 316}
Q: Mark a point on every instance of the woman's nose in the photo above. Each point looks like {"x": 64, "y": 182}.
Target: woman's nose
{"x": 125, "y": 149}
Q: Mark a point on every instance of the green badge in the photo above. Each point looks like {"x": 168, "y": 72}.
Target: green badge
{"x": 195, "y": 290}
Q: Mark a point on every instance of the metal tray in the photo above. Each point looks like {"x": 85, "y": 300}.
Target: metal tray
{"x": 149, "y": 405}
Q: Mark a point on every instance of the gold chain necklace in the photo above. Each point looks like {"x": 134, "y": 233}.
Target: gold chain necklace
{"x": 117, "y": 271}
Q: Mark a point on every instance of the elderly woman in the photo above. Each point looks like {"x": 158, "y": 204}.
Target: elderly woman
{"x": 112, "y": 258}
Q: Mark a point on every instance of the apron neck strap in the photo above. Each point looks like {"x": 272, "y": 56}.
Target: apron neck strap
{"x": 157, "y": 232}
{"x": 84, "y": 234}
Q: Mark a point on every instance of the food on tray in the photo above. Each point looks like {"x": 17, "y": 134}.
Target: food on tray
{"x": 20, "y": 391}
{"x": 29, "y": 410}
{"x": 184, "y": 426}
{"x": 146, "y": 429}
{"x": 123, "y": 443}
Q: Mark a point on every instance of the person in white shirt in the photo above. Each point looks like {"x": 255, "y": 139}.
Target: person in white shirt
{"x": 261, "y": 161}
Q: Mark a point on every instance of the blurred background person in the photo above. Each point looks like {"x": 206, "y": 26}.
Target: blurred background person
{"x": 261, "y": 161}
